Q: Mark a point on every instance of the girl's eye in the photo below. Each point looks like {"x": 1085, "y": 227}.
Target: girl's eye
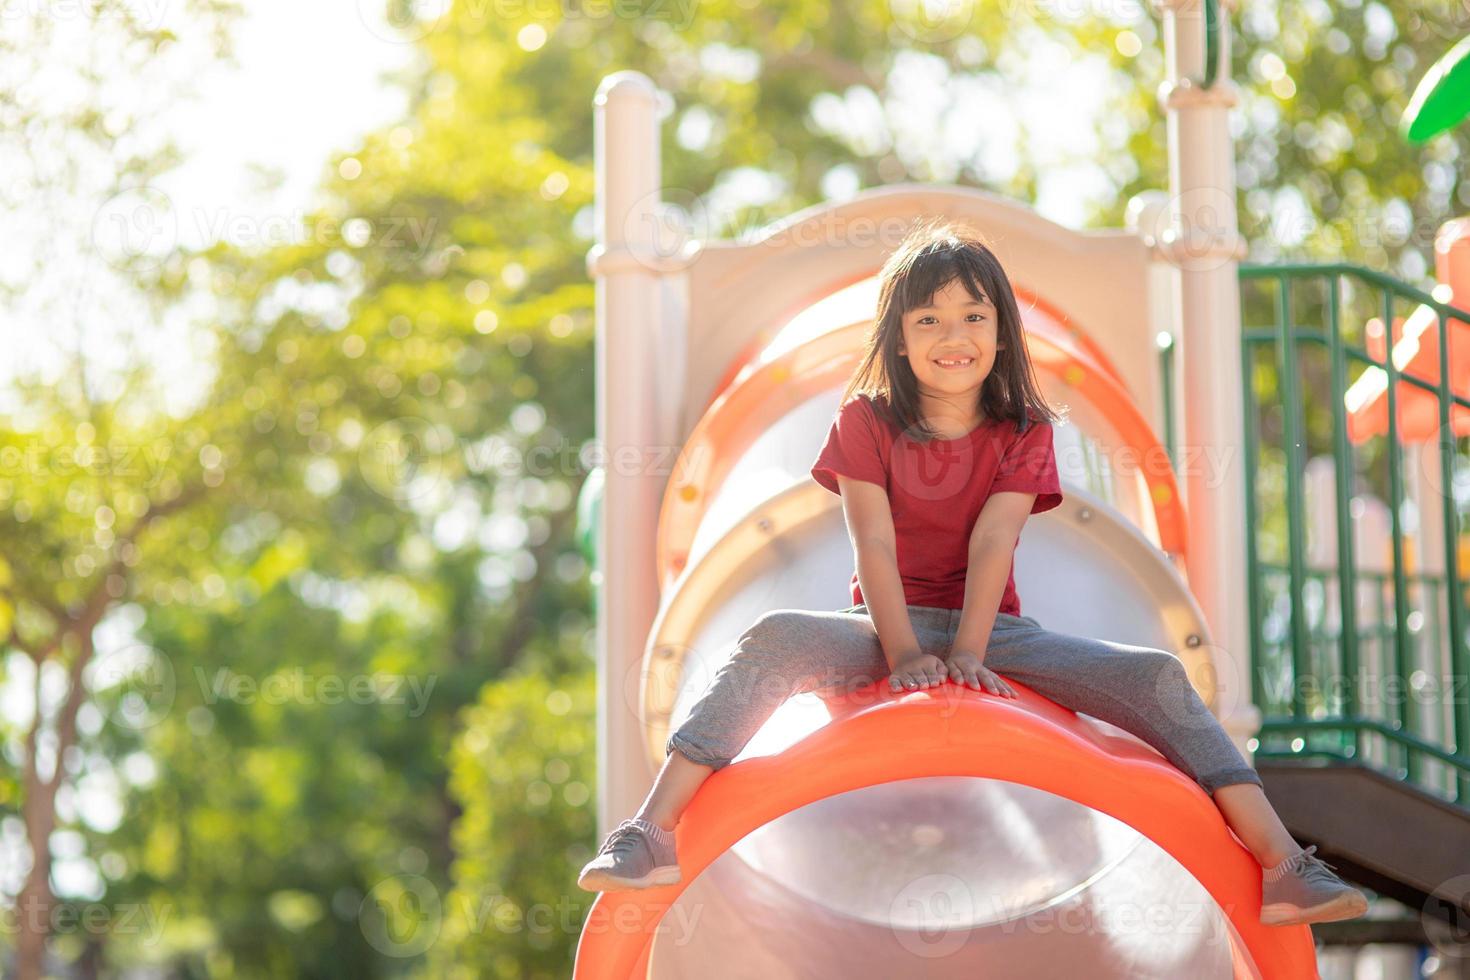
{"x": 923, "y": 321}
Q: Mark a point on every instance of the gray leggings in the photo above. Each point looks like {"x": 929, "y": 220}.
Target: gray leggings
{"x": 792, "y": 651}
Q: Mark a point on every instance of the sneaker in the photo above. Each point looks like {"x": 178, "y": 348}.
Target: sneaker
{"x": 1302, "y": 889}
{"x": 638, "y": 853}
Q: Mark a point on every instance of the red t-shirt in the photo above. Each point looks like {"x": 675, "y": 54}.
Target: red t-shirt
{"x": 936, "y": 490}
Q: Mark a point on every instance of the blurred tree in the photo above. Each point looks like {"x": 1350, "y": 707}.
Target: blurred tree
{"x": 77, "y": 509}
{"x": 525, "y": 768}
{"x": 1323, "y": 171}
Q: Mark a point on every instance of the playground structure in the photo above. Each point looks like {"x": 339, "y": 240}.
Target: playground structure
{"x": 851, "y": 832}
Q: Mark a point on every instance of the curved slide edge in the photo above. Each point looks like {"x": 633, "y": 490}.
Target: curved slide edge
{"x": 951, "y": 730}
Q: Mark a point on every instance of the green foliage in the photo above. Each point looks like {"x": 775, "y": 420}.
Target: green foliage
{"x": 524, "y": 772}
{"x": 1322, "y": 170}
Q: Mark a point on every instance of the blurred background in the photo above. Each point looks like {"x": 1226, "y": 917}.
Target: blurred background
{"x": 296, "y": 381}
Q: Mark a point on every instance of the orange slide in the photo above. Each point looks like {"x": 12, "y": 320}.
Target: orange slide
{"x": 951, "y": 731}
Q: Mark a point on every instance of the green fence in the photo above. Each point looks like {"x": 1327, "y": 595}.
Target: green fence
{"x": 1356, "y": 591}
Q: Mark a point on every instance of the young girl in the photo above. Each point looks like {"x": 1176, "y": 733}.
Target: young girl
{"x": 939, "y": 459}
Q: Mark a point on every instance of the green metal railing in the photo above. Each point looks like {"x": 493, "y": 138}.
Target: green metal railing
{"x": 1359, "y": 664}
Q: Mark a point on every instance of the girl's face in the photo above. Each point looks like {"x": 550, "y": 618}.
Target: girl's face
{"x": 951, "y": 344}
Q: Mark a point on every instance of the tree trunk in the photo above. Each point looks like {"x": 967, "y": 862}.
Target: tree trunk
{"x": 74, "y": 628}
{"x": 36, "y": 903}
{"x": 33, "y": 907}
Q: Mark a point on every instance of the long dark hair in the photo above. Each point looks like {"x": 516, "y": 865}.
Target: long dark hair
{"x": 933, "y": 254}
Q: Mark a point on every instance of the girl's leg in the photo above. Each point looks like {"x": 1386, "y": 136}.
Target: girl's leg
{"x": 1255, "y": 822}
{"x": 1146, "y": 692}
{"x": 784, "y": 653}
{"x": 674, "y": 786}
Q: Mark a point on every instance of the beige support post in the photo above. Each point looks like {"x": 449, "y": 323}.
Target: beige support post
{"x": 632, "y": 422}
{"x": 1204, "y": 244}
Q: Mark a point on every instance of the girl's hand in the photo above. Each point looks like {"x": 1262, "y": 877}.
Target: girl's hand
{"x": 967, "y": 669}
{"x": 915, "y": 671}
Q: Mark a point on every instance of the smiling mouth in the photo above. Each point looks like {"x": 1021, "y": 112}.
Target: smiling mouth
{"x": 957, "y": 362}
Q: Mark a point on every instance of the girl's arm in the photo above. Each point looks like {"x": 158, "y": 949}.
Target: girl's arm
{"x": 992, "y": 545}
{"x": 875, "y": 551}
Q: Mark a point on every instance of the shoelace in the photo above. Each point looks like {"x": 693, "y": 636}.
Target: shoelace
{"x": 622, "y": 837}
{"x": 1313, "y": 868}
